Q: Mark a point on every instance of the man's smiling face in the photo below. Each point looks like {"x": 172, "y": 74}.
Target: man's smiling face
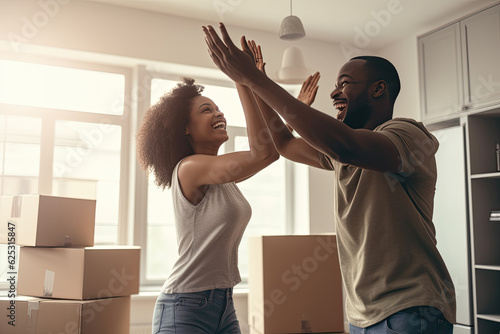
{"x": 351, "y": 94}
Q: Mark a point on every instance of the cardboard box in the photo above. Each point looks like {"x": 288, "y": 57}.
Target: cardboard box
{"x": 48, "y": 221}
{"x": 40, "y": 316}
{"x": 98, "y": 316}
{"x": 18, "y": 315}
{"x": 79, "y": 273}
{"x": 295, "y": 285}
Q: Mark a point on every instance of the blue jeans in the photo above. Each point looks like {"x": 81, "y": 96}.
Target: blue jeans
{"x": 413, "y": 320}
{"x": 207, "y": 312}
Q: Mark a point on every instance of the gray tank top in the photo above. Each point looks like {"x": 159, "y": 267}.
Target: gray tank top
{"x": 208, "y": 236}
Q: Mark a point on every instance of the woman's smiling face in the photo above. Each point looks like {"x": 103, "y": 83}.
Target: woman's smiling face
{"x": 207, "y": 123}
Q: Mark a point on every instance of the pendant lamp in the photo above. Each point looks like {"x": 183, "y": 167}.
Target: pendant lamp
{"x": 291, "y": 28}
{"x": 293, "y": 67}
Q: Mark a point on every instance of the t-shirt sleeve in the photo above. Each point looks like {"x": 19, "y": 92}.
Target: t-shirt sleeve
{"x": 416, "y": 146}
{"x": 325, "y": 161}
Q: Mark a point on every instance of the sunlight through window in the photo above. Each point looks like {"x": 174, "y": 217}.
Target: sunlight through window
{"x": 63, "y": 88}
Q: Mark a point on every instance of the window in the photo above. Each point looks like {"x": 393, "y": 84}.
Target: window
{"x": 87, "y": 165}
{"x": 266, "y": 192}
{"x": 57, "y": 87}
{"x": 61, "y": 133}
{"x": 20, "y": 153}
{"x": 19, "y": 161}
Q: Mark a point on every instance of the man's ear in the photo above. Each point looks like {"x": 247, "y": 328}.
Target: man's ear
{"x": 380, "y": 88}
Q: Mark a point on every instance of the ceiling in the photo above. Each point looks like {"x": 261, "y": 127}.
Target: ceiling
{"x": 385, "y": 21}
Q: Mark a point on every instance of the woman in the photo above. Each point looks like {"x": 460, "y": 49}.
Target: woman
{"x": 179, "y": 141}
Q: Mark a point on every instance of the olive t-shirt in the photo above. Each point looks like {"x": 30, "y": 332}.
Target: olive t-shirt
{"x": 386, "y": 238}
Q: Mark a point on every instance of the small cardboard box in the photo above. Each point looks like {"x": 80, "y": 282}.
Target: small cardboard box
{"x": 98, "y": 316}
{"x": 295, "y": 285}
{"x": 47, "y": 221}
{"x": 79, "y": 273}
{"x": 18, "y": 315}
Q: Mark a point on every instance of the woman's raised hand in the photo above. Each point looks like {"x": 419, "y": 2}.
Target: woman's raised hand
{"x": 257, "y": 55}
{"x": 309, "y": 89}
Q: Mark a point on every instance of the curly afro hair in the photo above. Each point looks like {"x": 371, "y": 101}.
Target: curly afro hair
{"x": 161, "y": 140}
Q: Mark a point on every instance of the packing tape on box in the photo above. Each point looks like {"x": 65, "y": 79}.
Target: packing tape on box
{"x": 305, "y": 326}
{"x": 48, "y": 284}
{"x": 33, "y": 306}
{"x": 31, "y": 319}
{"x": 17, "y": 202}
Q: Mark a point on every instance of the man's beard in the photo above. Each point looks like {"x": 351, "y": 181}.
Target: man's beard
{"x": 358, "y": 114}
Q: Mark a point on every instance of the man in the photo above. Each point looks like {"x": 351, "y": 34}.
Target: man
{"x": 394, "y": 277}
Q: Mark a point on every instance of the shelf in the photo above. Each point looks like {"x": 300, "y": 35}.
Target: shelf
{"x": 495, "y": 175}
{"x": 487, "y": 267}
{"x": 490, "y": 317}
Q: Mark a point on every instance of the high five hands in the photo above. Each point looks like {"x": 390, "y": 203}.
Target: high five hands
{"x": 241, "y": 65}
{"x": 236, "y": 64}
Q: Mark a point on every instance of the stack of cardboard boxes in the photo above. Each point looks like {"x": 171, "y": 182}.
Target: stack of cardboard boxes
{"x": 65, "y": 284}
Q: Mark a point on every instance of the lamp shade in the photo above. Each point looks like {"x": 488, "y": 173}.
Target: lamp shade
{"x": 293, "y": 67}
{"x": 291, "y": 28}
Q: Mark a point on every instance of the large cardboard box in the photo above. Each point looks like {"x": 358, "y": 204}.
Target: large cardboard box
{"x": 98, "y": 316}
{"x": 49, "y": 221}
{"x": 79, "y": 273}
{"x": 29, "y": 315}
{"x": 295, "y": 285}
{"x": 18, "y": 315}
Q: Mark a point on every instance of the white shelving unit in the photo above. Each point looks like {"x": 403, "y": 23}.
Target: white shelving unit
{"x": 459, "y": 67}
{"x": 483, "y": 132}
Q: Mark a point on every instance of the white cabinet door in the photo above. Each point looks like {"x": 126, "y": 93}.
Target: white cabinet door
{"x": 441, "y": 83}
{"x": 450, "y": 216}
{"x": 481, "y": 52}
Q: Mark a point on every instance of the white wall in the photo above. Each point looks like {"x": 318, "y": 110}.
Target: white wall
{"x": 112, "y": 30}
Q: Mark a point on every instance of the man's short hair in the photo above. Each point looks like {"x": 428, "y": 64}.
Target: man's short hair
{"x": 382, "y": 69}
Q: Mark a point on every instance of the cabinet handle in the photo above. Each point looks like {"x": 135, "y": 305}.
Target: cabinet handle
{"x": 465, "y": 107}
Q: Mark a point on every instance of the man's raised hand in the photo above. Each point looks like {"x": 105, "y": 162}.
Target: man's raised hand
{"x": 236, "y": 64}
